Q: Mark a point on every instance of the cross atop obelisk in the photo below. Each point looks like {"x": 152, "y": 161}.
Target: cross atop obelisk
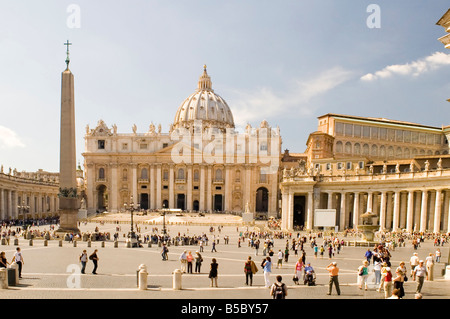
{"x": 67, "y": 52}
{"x": 68, "y": 197}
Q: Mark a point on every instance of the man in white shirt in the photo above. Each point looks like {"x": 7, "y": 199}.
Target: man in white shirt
{"x": 420, "y": 272}
{"x": 18, "y": 258}
{"x": 280, "y": 259}
{"x": 414, "y": 261}
{"x": 183, "y": 260}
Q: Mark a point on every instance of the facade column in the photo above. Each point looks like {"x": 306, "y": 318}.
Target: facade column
{"x": 290, "y": 211}
{"x": 114, "y": 192}
{"x": 189, "y": 188}
{"x": 134, "y": 183}
{"x": 396, "y": 213}
{"x": 423, "y": 211}
{"x": 152, "y": 187}
{"x": 9, "y": 203}
{"x": 158, "y": 187}
{"x": 202, "y": 203}
{"x": 383, "y": 210}
{"x": 90, "y": 176}
{"x": 370, "y": 201}
{"x": 171, "y": 187}
{"x": 355, "y": 210}
{"x": 447, "y": 210}
{"x": 343, "y": 212}
{"x": 284, "y": 209}
{"x": 330, "y": 201}
{"x": 209, "y": 190}
{"x": 410, "y": 212}
{"x": 389, "y": 212}
{"x": 228, "y": 188}
{"x": 437, "y": 211}
{"x": 403, "y": 205}
{"x": 309, "y": 220}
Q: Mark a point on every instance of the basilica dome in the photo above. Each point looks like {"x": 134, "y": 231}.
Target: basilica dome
{"x": 204, "y": 105}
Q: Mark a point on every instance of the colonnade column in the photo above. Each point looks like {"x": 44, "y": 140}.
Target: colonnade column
{"x": 290, "y": 211}
{"x": 202, "y": 188}
{"x": 209, "y": 190}
{"x": 113, "y": 203}
{"x": 189, "y": 188}
{"x": 171, "y": 187}
{"x": 383, "y": 211}
{"x": 2, "y": 204}
{"x": 330, "y": 201}
{"x": 396, "y": 214}
{"x": 369, "y": 202}
{"x": 309, "y": 220}
{"x": 284, "y": 209}
{"x": 410, "y": 212}
{"x": 343, "y": 211}
{"x": 355, "y": 210}
{"x": 437, "y": 211}
{"x": 158, "y": 186}
{"x": 423, "y": 211}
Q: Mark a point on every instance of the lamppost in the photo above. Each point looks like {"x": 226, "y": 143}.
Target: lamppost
{"x": 132, "y": 235}
{"x": 164, "y": 221}
{"x": 24, "y": 209}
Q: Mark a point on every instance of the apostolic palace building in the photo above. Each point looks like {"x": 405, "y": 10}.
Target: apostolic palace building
{"x": 352, "y": 165}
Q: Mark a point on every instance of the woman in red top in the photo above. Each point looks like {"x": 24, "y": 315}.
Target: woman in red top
{"x": 388, "y": 283}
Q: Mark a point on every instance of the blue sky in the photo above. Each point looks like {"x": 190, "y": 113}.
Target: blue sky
{"x": 287, "y": 62}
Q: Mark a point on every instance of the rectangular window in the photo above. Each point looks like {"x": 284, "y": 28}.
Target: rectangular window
{"x": 165, "y": 145}
{"x": 101, "y": 144}
{"x": 391, "y": 135}
{"x": 143, "y": 146}
{"x": 366, "y": 131}
{"x": 407, "y": 136}
{"x": 437, "y": 139}
{"x": 374, "y": 133}
{"x": 414, "y": 137}
{"x": 348, "y": 129}
{"x": 430, "y": 139}
{"x": 422, "y": 138}
{"x": 124, "y": 146}
{"x": 349, "y": 165}
{"x": 399, "y": 135}
{"x": 339, "y": 166}
{"x": 328, "y": 166}
{"x": 383, "y": 134}
{"x": 357, "y": 130}
{"x": 165, "y": 187}
{"x": 361, "y": 165}
{"x": 339, "y": 129}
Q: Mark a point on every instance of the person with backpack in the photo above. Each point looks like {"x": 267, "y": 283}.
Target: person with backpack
{"x": 83, "y": 260}
{"x": 249, "y": 269}
{"x": 279, "y": 289}
{"x": 164, "y": 253}
{"x": 94, "y": 259}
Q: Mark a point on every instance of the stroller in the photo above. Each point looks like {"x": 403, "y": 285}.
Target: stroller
{"x": 309, "y": 278}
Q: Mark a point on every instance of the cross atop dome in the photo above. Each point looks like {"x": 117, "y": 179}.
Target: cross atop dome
{"x": 205, "y": 81}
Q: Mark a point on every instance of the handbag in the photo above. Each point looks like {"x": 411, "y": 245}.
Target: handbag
{"x": 295, "y": 278}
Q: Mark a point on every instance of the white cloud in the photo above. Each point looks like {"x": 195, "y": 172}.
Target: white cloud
{"x": 415, "y": 68}
{"x": 265, "y": 103}
{"x": 9, "y": 138}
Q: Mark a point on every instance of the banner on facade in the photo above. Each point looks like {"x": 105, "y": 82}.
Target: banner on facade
{"x": 324, "y": 217}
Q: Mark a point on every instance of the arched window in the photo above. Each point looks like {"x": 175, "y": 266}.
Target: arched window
{"x": 374, "y": 151}
{"x": 124, "y": 174}
{"x": 196, "y": 175}
{"x": 357, "y": 149}
{"x": 365, "y": 149}
{"x": 339, "y": 147}
{"x": 390, "y": 153}
{"x": 382, "y": 151}
{"x": 407, "y": 153}
{"x": 398, "y": 152}
{"x": 348, "y": 148}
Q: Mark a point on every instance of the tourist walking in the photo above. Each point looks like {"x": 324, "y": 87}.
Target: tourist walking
{"x": 189, "y": 260}
{"x": 419, "y": 274}
{"x": 414, "y": 261}
{"x": 280, "y": 259}
{"x": 95, "y": 260}
{"x": 249, "y": 269}
{"x": 334, "y": 278}
{"x": 267, "y": 267}
{"x": 437, "y": 254}
{"x": 183, "y": 261}
{"x": 398, "y": 283}
{"x": 279, "y": 289}
{"x": 83, "y": 261}
{"x": 363, "y": 274}
{"x": 213, "y": 249}
{"x": 368, "y": 255}
{"x": 377, "y": 271}
{"x": 165, "y": 252}
{"x": 18, "y": 258}
{"x": 429, "y": 263}
{"x": 387, "y": 283}
{"x": 213, "y": 272}
{"x": 198, "y": 261}
{"x": 298, "y": 271}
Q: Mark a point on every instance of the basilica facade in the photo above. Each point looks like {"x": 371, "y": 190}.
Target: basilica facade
{"x": 201, "y": 164}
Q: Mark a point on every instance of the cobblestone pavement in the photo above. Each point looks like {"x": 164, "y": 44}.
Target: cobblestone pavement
{"x": 48, "y": 270}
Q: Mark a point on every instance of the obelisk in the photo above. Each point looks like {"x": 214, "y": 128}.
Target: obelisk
{"x": 68, "y": 198}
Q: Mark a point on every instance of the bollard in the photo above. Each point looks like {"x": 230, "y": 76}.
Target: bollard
{"x": 60, "y": 243}
{"x": 74, "y": 243}
{"x": 3, "y": 278}
{"x": 16, "y": 241}
{"x": 89, "y": 243}
{"x": 103, "y": 244}
{"x": 177, "y": 279}
{"x": 3, "y": 241}
{"x": 116, "y": 244}
{"x": 149, "y": 244}
{"x": 31, "y": 242}
{"x": 45, "y": 242}
{"x": 142, "y": 277}
{"x": 15, "y": 276}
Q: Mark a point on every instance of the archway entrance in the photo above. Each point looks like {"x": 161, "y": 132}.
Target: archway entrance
{"x": 102, "y": 198}
{"x": 218, "y": 199}
{"x": 195, "y": 205}
{"x": 165, "y": 204}
{"x": 262, "y": 200}
{"x": 299, "y": 211}
{"x": 144, "y": 201}
{"x": 181, "y": 201}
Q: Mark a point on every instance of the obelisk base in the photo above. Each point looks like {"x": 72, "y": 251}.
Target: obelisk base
{"x": 68, "y": 215}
